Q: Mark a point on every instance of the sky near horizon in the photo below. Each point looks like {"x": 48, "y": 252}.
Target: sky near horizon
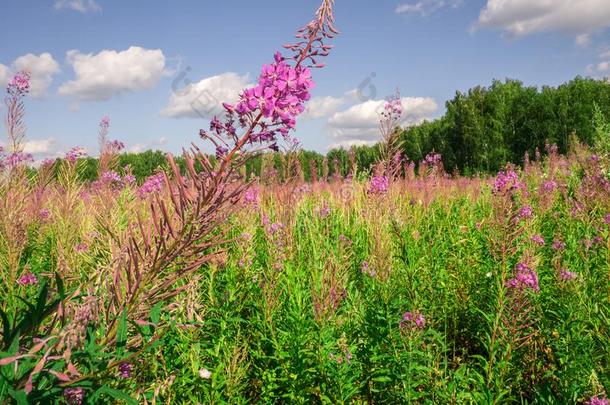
{"x": 160, "y": 69}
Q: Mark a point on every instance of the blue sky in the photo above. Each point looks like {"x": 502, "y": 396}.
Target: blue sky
{"x": 158, "y": 69}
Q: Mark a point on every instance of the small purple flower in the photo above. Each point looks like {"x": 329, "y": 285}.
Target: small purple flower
{"x": 18, "y": 158}
{"x": 420, "y": 321}
{"x": 81, "y": 248}
{"x": 538, "y": 240}
{"x": 125, "y": 369}
{"x": 549, "y": 186}
{"x": 324, "y": 211}
{"x": 153, "y": 184}
{"x": 129, "y": 179}
{"x": 275, "y": 227}
{"x": 44, "y": 214}
{"x": 413, "y": 320}
{"x": 105, "y": 122}
{"x": 559, "y": 245}
{"x": 74, "y": 154}
{"x": 598, "y": 400}
{"x": 28, "y": 279}
{"x": 48, "y": 162}
{"x": 379, "y": 185}
{"x": 607, "y": 219}
{"x": 112, "y": 177}
{"x": 74, "y": 396}
{"x": 524, "y": 278}
{"x": 20, "y": 84}
{"x": 506, "y": 181}
{"x": 221, "y": 151}
{"x": 251, "y": 197}
{"x": 366, "y": 269}
{"x": 566, "y": 275}
{"x": 432, "y": 159}
{"x": 525, "y": 212}
{"x": 115, "y": 146}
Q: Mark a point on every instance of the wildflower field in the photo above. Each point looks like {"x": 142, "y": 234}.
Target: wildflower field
{"x": 399, "y": 284}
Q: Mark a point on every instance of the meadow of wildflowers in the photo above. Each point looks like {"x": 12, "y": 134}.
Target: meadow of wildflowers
{"x": 404, "y": 285}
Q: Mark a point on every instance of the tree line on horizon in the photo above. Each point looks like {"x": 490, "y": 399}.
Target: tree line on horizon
{"x": 481, "y": 131}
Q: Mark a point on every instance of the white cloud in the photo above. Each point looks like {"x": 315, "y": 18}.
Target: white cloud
{"x": 349, "y": 143}
{"x": 83, "y": 6}
{"x": 361, "y": 122}
{"x": 41, "y": 67}
{"x": 603, "y": 66}
{"x": 583, "y": 39}
{"x": 110, "y": 73}
{"x": 39, "y": 146}
{"x": 5, "y": 75}
{"x": 319, "y": 107}
{"x": 137, "y": 148}
{"x": 523, "y": 17}
{"x": 426, "y": 7}
{"x": 204, "y": 99}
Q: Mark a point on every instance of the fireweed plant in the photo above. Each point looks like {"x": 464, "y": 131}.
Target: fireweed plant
{"x": 79, "y": 330}
{"x": 199, "y": 286}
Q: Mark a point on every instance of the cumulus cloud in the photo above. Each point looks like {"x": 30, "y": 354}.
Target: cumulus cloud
{"x": 109, "y": 73}
{"x": 426, "y": 7}
{"x": 349, "y": 143}
{"x": 519, "y": 18}
{"x": 39, "y": 146}
{"x": 204, "y": 99}
{"x": 82, "y": 6}
{"x": 361, "y": 121}
{"x": 42, "y": 68}
{"x": 5, "y": 75}
{"x": 319, "y": 107}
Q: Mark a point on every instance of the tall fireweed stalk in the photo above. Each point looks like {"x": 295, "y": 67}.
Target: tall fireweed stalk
{"x": 152, "y": 259}
{"x": 391, "y": 155}
{"x": 17, "y": 89}
{"x": 14, "y": 188}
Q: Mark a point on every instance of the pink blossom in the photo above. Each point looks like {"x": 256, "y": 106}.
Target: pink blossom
{"x": 28, "y": 279}
{"x": 74, "y": 396}
{"x": 525, "y": 278}
{"x": 125, "y": 369}
{"x": 549, "y": 186}
{"x": 506, "y": 181}
{"x": 153, "y": 184}
{"x": 105, "y": 122}
{"x": 537, "y": 239}
{"x": 111, "y": 177}
{"x": 276, "y": 227}
{"x": 20, "y": 84}
{"x": 18, "y": 158}
{"x": 432, "y": 159}
{"x": 44, "y": 214}
{"x": 324, "y": 211}
{"x": 74, "y": 154}
{"x": 379, "y": 185}
{"x": 413, "y": 320}
{"x": 115, "y": 146}
{"x": 566, "y": 275}
{"x": 251, "y": 197}
{"x": 81, "y": 248}
{"x": 525, "y": 212}
{"x": 598, "y": 400}
{"x": 559, "y": 244}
